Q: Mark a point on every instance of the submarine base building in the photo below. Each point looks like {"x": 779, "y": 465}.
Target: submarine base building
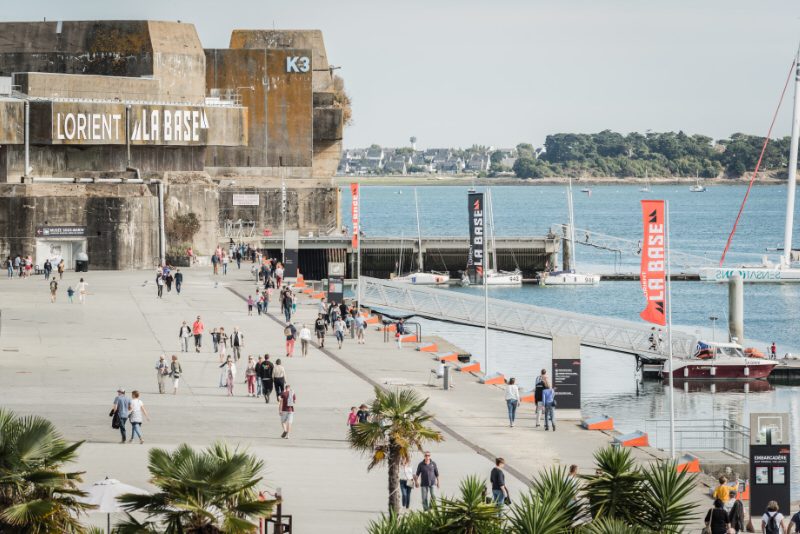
{"x": 99, "y": 118}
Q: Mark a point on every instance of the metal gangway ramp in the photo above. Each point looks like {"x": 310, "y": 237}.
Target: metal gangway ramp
{"x": 594, "y": 331}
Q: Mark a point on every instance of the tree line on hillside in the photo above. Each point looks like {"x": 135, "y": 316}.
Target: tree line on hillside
{"x": 610, "y": 153}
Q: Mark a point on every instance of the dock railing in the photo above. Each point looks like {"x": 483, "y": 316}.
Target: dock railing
{"x": 701, "y": 435}
{"x": 593, "y": 330}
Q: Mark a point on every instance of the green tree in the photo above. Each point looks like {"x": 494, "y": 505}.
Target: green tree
{"x": 200, "y": 492}
{"x": 36, "y": 495}
{"x": 526, "y": 150}
{"x": 496, "y": 157}
{"x": 397, "y": 427}
{"x": 614, "y": 492}
{"x": 468, "y": 513}
{"x": 664, "y": 502}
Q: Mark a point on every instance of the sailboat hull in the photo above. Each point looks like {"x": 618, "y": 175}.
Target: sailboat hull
{"x": 568, "y": 279}
{"x": 763, "y": 275}
{"x": 424, "y": 279}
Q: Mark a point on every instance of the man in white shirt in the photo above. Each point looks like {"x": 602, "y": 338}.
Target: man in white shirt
{"x": 237, "y": 342}
{"x": 305, "y": 339}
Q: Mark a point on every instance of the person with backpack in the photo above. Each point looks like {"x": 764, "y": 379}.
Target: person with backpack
{"x": 772, "y": 520}
{"x": 266, "y": 378}
{"x": 717, "y": 521}
{"x": 542, "y": 382}
{"x": 794, "y": 524}
{"x": 162, "y": 370}
{"x": 291, "y": 334}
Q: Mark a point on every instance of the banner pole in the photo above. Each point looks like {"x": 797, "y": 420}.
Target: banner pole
{"x": 669, "y": 338}
{"x": 358, "y": 252}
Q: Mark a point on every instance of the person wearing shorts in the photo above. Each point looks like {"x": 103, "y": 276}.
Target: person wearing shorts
{"x": 286, "y": 410}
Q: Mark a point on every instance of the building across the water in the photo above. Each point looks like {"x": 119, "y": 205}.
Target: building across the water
{"x": 97, "y": 118}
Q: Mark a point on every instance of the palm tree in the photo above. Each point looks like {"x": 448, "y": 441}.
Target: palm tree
{"x": 664, "y": 502}
{"x": 201, "y": 492}
{"x": 615, "y": 491}
{"x": 469, "y": 513}
{"x": 396, "y": 428}
{"x": 36, "y": 495}
{"x": 613, "y": 526}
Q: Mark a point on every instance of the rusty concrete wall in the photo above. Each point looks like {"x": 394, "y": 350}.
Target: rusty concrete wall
{"x": 121, "y": 220}
{"x": 69, "y": 161}
{"x": 198, "y": 194}
{"x": 167, "y": 51}
{"x": 308, "y": 209}
{"x": 12, "y": 119}
{"x": 290, "y": 111}
{"x": 57, "y": 85}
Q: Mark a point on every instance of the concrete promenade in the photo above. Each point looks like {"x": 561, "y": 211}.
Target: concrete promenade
{"x": 65, "y": 361}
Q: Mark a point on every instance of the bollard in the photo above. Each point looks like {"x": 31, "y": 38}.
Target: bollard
{"x": 736, "y": 309}
{"x": 446, "y": 378}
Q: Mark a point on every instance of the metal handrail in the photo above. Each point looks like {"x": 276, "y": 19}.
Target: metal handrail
{"x": 526, "y": 319}
{"x": 417, "y": 331}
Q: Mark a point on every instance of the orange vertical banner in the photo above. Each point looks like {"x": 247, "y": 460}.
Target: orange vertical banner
{"x": 653, "y": 268}
{"x": 354, "y": 212}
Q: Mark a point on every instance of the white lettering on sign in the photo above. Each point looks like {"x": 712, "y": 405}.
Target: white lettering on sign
{"x": 298, "y": 64}
{"x": 88, "y": 126}
{"x": 246, "y": 199}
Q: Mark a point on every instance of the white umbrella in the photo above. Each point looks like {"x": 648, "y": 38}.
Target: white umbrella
{"x": 104, "y": 493}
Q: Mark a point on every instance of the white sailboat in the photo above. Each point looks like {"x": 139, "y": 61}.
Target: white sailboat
{"x": 783, "y": 271}
{"x": 420, "y": 277}
{"x": 494, "y": 276}
{"x": 568, "y": 277}
{"x": 646, "y": 188}
{"x": 697, "y": 187}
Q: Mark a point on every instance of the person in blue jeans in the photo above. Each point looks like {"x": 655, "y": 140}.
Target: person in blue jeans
{"x": 427, "y": 479}
{"x": 120, "y": 407}
{"x": 498, "y": 481}
{"x": 406, "y": 482}
{"x": 549, "y": 399}
{"x": 512, "y": 400}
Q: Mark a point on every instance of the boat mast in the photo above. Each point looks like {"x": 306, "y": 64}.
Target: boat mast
{"x": 571, "y": 235}
{"x": 419, "y": 232}
{"x": 792, "y": 179}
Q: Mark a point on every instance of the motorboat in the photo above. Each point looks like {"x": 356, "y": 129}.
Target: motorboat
{"x": 497, "y": 278}
{"x": 430, "y": 278}
{"x": 719, "y": 361}
{"x": 568, "y": 277}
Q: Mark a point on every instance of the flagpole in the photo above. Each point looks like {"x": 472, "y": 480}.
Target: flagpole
{"x": 669, "y": 338}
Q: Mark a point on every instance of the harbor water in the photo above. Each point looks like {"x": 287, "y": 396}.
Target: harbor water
{"x": 700, "y": 223}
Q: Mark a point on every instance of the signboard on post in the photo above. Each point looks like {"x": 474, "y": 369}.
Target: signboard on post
{"x": 770, "y": 461}
{"x": 355, "y": 214}
{"x": 475, "y": 262}
{"x": 567, "y": 376}
{"x": 335, "y": 288}
{"x": 291, "y": 255}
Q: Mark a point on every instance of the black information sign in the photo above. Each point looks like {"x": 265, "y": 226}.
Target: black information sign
{"x": 290, "y": 263}
{"x": 769, "y": 477}
{"x": 336, "y": 289}
{"x": 567, "y": 383}
{"x": 475, "y": 262}
{"x": 60, "y": 231}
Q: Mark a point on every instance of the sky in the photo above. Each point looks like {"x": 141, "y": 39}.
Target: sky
{"x": 501, "y": 72}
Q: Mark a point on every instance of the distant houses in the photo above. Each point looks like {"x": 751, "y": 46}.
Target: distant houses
{"x": 377, "y": 160}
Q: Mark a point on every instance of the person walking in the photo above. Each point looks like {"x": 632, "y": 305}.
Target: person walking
{"x": 47, "y": 268}
{"x": 498, "y": 480}
{"x": 541, "y": 383}
{"x": 197, "y": 332}
{"x": 320, "y": 328}
{"x": 512, "y": 400}
{"x": 229, "y": 374}
{"x": 286, "y": 404}
{"x": 406, "y": 482}
{"x": 771, "y": 521}
{"x": 305, "y": 339}
{"x": 266, "y": 378}
{"x": 225, "y": 261}
{"x": 258, "y": 375}
{"x": 160, "y": 284}
{"x": 291, "y": 334}
{"x": 237, "y": 342}
{"x": 363, "y": 413}
{"x": 215, "y": 339}
{"x": 286, "y": 302}
{"x": 549, "y": 400}
{"x": 178, "y": 281}
{"x": 360, "y": 325}
{"x": 250, "y": 376}
{"x": 162, "y": 371}
{"x": 10, "y": 266}
{"x": 427, "y": 478}
{"x": 137, "y": 410}
{"x": 278, "y": 378}
{"x": 60, "y": 269}
{"x": 53, "y": 290}
{"x": 794, "y": 522}
{"x": 736, "y": 517}
{"x": 338, "y": 330}
{"x": 70, "y": 293}
{"x": 120, "y": 407}
{"x": 717, "y": 519}
{"x": 83, "y": 289}
{"x": 723, "y": 491}
{"x": 175, "y": 371}
{"x": 250, "y": 303}
{"x": 352, "y": 417}
{"x": 222, "y": 344}
{"x": 184, "y": 333}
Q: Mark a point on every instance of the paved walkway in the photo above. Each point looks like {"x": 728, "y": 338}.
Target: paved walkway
{"x": 65, "y": 362}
